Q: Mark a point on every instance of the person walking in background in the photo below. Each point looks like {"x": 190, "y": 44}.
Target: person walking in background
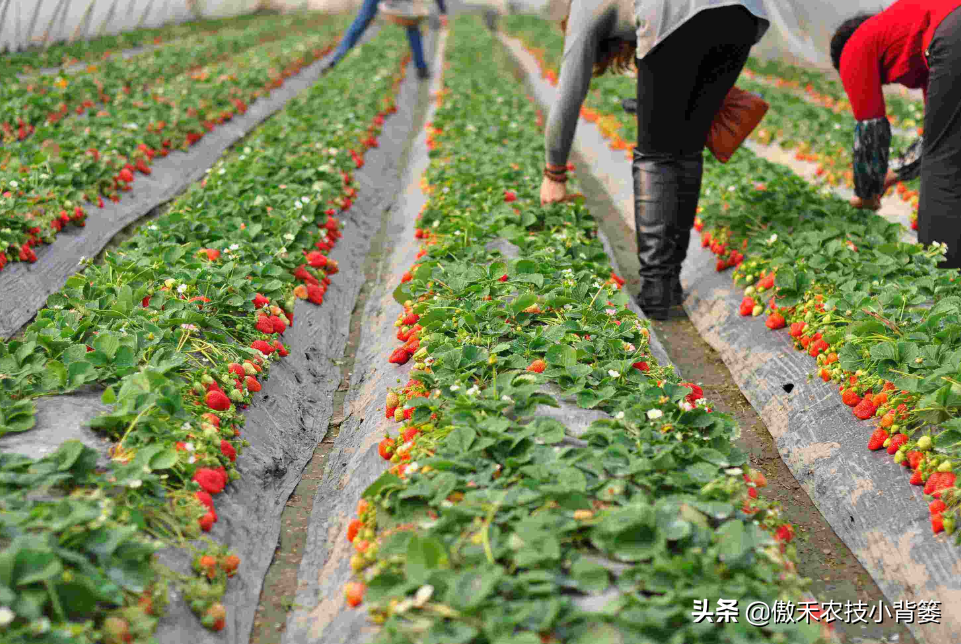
{"x": 399, "y": 8}
{"x": 916, "y": 43}
{"x": 688, "y": 55}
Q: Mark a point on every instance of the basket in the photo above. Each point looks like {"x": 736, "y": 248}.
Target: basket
{"x": 404, "y": 21}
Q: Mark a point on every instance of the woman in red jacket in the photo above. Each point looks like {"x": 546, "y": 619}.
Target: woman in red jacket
{"x": 916, "y": 43}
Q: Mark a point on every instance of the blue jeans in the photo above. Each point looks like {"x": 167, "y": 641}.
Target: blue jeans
{"x": 357, "y": 28}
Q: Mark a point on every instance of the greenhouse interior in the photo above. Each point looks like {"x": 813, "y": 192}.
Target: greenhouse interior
{"x": 446, "y": 322}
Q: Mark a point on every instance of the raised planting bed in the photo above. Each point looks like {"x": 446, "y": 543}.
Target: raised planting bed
{"x": 824, "y": 251}
{"x": 52, "y": 182}
{"x": 549, "y": 480}
{"x": 159, "y": 349}
{"x": 25, "y": 286}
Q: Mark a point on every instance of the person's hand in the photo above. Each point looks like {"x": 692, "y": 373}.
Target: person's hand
{"x": 443, "y": 22}
{"x": 870, "y": 204}
{"x": 890, "y": 179}
{"x": 552, "y": 191}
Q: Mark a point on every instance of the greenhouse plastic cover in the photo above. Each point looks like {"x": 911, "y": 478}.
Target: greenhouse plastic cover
{"x": 800, "y": 29}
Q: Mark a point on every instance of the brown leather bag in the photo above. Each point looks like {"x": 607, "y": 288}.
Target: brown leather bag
{"x": 739, "y": 115}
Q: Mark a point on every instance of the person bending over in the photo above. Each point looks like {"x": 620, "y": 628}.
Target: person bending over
{"x": 915, "y": 43}
{"x": 688, "y": 55}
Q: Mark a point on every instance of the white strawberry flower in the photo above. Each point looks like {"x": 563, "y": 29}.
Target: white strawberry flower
{"x": 733, "y": 471}
{"x": 234, "y": 246}
{"x": 654, "y": 414}
{"x": 686, "y": 406}
{"x": 629, "y": 348}
{"x": 182, "y": 288}
{"x": 619, "y": 415}
{"x": 423, "y": 595}
{"x": 613, "y": 374}
{"x": 772, "y": 238}
{"x": 611, "y": 312}
{"x": 472, "y": 391}
{"x": 6, "y": 616}
{"x": 454, "y": 387}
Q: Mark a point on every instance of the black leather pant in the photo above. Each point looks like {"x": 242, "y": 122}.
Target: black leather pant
{"x": 680, "y": 87}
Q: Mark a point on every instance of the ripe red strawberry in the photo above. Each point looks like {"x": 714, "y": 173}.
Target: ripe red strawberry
{"x": 205, "y": 499}
{"x": 260, "y": 301}
{"x": 775, "y": 321}
{"x": 877, "y": 439}
{"x": 217, "y": 400}
{"x": 210, "y": 481}
{"x": 408, "y": 413}
{"x": 353, "y": 528}
{"x": 228, "y": 450}
{"x": 747, "y": 306}
{"x": 409, "y": 434}
{"x": 503, "y": 278}
{"x": 897, "y": 441}
{"x": 937, "y": 523}
{"x": 26, "y": 254}
{"x": 938, "y": 482}
{"x": 850, "y": 398}
{"x": 125, "y": 175}
{"x": 917, "y": 478}
{"x": 212, "y": 419}
{"x": 865, "y": 409}
{"x": 937, "y": 506}
{"x": 281, "y": 349}
{"x": 641, "y": 366}
{"x": 236, "y": 369}
{"x": 696, "y": 392}
{"x": 316, "y": 259}
{"x": 509, "y": 196}
{"x": 230, "y": 563}
{"x": 252, "y": 385}
{"x": 386, "y": 448}
{"x": 914, "y": 459}
{"x": 264, "y": 325}
{"x": 399, "y": 356}
{"x": 262, "y": 346}
{"x": 207, "y": 521}
{"x": 537, "y": 366}
{"x": 315, "y": 294}
{"x": 354, "y": 592}
{"x": 411, "y": 319}
{"x": 767, "y": 281}
{"x": 279, "y": 326}
{"x": 784, "y": 533}
{"x": 389, "y": 413}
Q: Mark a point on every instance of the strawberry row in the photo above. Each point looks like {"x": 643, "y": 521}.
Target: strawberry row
{"x": 46, "y": 182}
{"x": 180, "y": 325}
{"x": 878, "y": 315}
{"x": 36, "y": 105}
{"x": 493, "y": 519}
{"x": 105, "y": 46}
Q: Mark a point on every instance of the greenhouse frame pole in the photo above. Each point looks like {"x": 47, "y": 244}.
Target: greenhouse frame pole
{"x": 143, "y": 16}
{"x": 33, "y": 22}
{"x": 84, "y": 22}
{"x": 107, "y": 19}
{"x": 53, "y": 19}
{"x": 3, "y": 17}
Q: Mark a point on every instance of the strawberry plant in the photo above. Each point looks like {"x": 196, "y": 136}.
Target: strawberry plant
{"x": 45, "y": 180}
{"x": 178, "y": 328}
{"x": 877, "y": 315}
{"x": 492, "y": 522}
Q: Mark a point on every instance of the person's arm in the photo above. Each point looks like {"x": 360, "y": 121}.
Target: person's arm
{"x": 580, "y": 51}
{"x": 861, "y": 77}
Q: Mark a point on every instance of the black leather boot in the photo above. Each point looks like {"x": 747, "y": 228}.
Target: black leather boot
{"x": 666, "y": 190}
{"x": 629, "y": 105}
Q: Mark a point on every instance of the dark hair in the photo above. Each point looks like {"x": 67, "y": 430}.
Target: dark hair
{"x": 843, "y": 33}
{"x": 613, "y": 54}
